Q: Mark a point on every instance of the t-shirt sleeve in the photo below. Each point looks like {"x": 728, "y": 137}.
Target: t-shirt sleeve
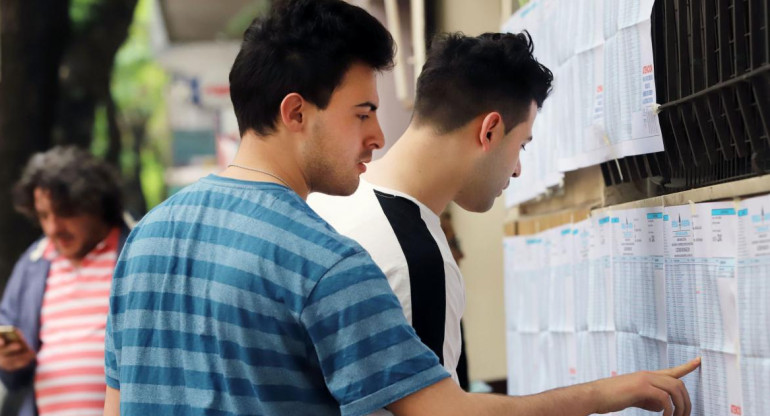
{"x": 110, "y": 361}
{"x": 112, "y": 334}
{"x": 369, "y": 355}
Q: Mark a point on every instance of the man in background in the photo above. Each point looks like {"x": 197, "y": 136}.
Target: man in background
{"x": 57, "y": 297}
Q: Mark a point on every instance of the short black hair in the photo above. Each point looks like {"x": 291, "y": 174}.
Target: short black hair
{"x": 302, "y": 46}
{"x": 466, "y": 76}
{"x": 78, "y": 183}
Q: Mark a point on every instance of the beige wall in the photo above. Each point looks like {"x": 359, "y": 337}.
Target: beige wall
{"x": 480, "y": 235}
{"x": 393, "y": 115}
{"x": 470, "y": 17}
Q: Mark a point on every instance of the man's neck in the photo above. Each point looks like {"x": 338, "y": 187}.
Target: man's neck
{"x": 268, "y": 159}
{"x": 100, "y": 235}
{"x": 428, "y": 167}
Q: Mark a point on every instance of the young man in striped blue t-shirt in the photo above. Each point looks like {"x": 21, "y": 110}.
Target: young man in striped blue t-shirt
{"x": 234, "y": 298}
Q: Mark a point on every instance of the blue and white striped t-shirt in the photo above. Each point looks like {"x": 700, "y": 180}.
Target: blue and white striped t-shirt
{"x": 235, "y": 298}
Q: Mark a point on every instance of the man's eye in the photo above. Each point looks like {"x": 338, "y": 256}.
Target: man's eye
{"x": 363, "y": 117}
{"x": 523, "y": 147}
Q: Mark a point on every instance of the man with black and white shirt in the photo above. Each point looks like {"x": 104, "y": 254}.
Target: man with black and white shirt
{"x": 405, "y": 239}
{"x": 477, "y": 98}
{"x": 476, "y": 102}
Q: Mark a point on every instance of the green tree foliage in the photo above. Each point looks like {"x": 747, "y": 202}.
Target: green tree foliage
{"x": 137, "y": 87}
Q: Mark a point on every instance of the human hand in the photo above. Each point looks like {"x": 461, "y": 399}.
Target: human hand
{"x": 15, "y": 355}
{"x": 649, "y": 390}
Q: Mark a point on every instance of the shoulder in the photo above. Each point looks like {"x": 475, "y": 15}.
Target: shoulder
{"x": 34, "y": 252}
{"x": 345, "y": 212}
{"x": 30, "y": 270}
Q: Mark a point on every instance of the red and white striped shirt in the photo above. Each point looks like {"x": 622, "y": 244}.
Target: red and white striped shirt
{"x": 69, "y": 379}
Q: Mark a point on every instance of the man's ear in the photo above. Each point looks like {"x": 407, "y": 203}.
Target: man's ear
{"x": 489, "y": 129}
{"x": 292, "y": 108}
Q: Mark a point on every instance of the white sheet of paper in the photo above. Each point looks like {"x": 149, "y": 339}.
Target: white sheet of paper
{"x": 639, "y": 272}
{"x": 602, "y": 104}
{"x": 581, "y": 234}
{"x": 643, "y": 289}
{"x": 679, "y": 354}
{"x": 680, "y": 275}
{"x": 754, "y": 303}
{"x": 561, "y": 298}
{"x": 601, "y": 305}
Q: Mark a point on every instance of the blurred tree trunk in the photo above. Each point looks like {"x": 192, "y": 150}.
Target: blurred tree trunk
{"x": 53, "y": 78}
{"x": 136, "y": 204}
{"x": 86, "y": 71}
{"x": 34, "y": 34}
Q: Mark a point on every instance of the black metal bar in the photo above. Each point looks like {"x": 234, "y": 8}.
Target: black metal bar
{"x": 710, "y": 47}
{"x": 694, "y": 138}
{"x": 708, "y": 138}
{"x": 720, "y": 128}
{"x": 729, "y": 106}
{"x": 740, "y": 37}
{"x": 723, "y": 35}
{"x": 637, "y": 172}
{"x": 766, "y": 14}
{"x": 606, "y": 174}
{"x": 683, "y": 26}
{"x": 625, "y": 169}
{"x": 711, "y": 69}
{"x": 752, "y": 123}
{"x": 712, "y": 60}
{"x": 697, "y": 67}
{"x": 756, "y": 40}
{"x": 698, "y": 75}
{"x": 670, "y": 47}
{"x": 663, "y": 56}
{"x": 761, "y": 87}
{"x": 720, "y": 86}
{"x": 680, "y": 139}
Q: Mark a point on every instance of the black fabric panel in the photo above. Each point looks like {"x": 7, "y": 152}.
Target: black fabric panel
{"x": 426, "y": 269}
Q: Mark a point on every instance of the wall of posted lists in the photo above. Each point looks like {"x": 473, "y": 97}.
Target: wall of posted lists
{"x": 623, "y": 290}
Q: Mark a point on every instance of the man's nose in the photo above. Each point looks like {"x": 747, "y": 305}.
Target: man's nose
{"x": 517, "y": 171}
{"x": 52, "y": 224}
{"x": 377, "y": 140}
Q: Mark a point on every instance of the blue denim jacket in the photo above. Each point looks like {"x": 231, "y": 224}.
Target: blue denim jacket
{"x": 20, "y": 307}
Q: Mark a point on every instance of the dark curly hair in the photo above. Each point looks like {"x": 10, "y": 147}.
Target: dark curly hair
{"x": 466, "y": 76}
{"x": 78, "y": 183}
{"x": 303, "y": 46}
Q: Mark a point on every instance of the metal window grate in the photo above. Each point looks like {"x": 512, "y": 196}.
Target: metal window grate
{"x": 712, "y": 74}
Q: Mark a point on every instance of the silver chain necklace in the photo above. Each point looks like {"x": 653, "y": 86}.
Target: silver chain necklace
{"x": 260, "y": 171}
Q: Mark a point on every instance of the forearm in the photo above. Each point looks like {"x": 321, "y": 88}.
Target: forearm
{"x": 112, "y": 402}
{"x": 575, "y": 400}
{"x": 446, "y": 398}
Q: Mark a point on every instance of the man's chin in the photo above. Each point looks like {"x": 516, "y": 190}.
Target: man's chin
{"x": 71, "y": 254}
{"x": 340, "y": 189}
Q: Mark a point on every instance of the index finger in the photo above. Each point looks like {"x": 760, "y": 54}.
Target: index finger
{"x": 682, "y": 370}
